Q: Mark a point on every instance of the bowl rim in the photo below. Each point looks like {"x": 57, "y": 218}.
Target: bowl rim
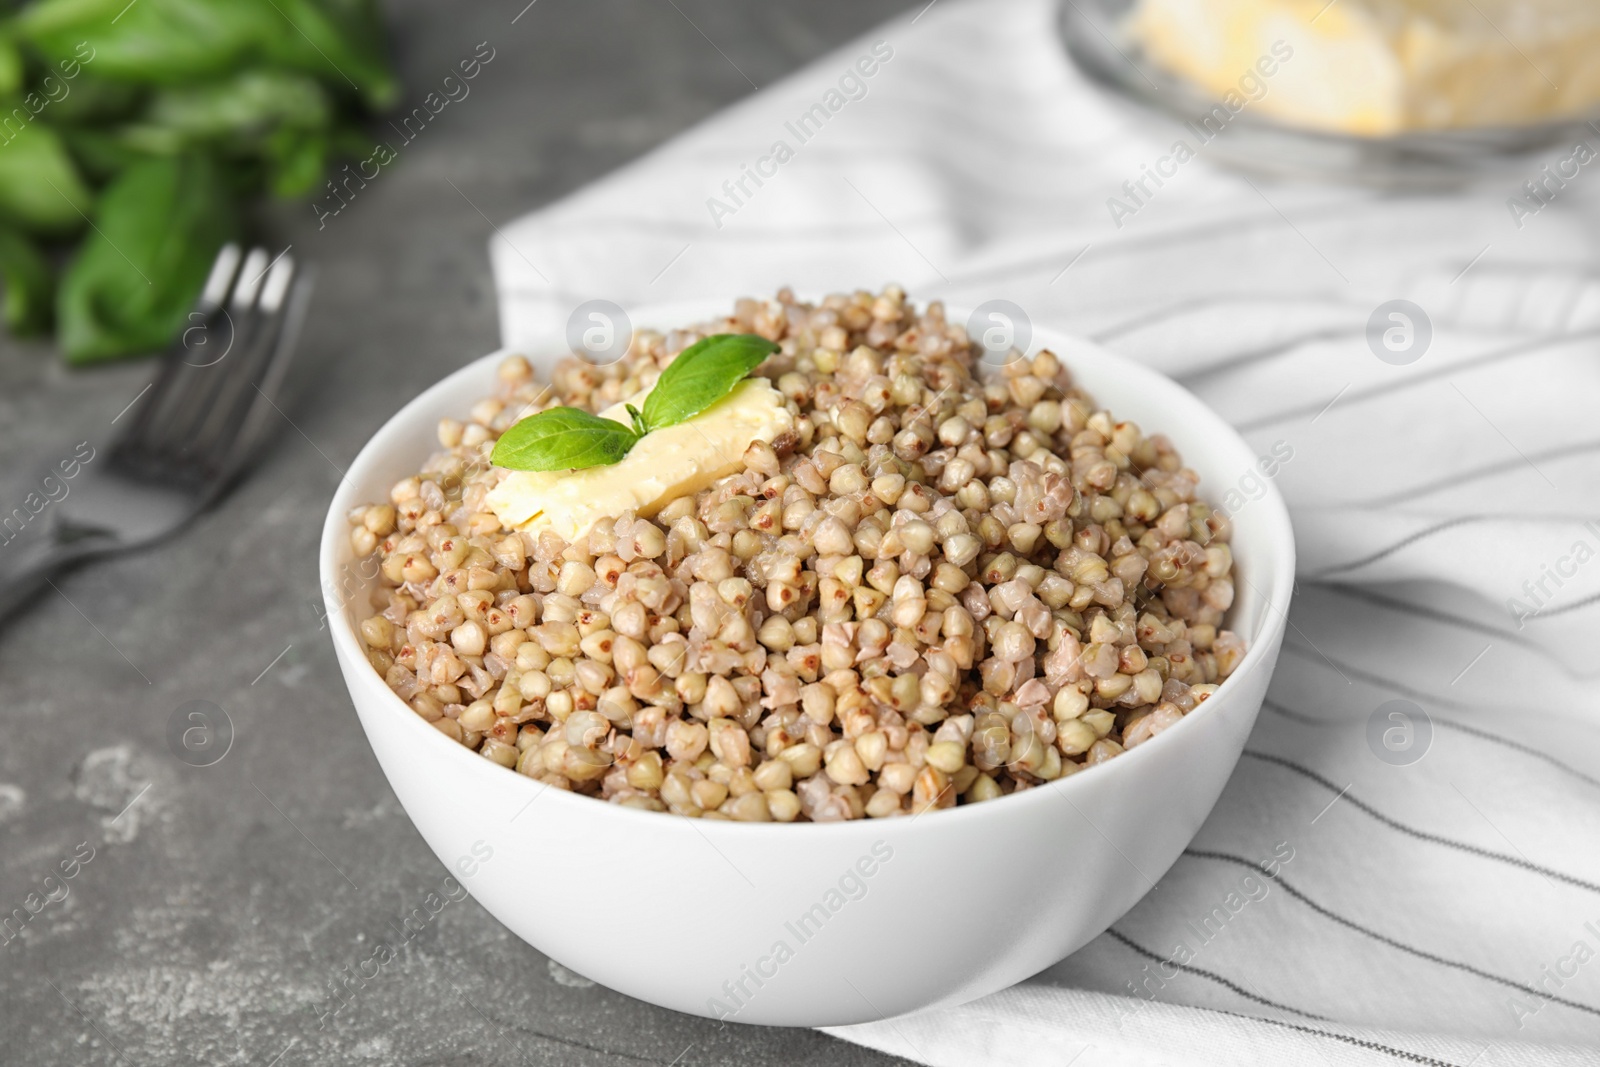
{"x": 1278, "y": 591}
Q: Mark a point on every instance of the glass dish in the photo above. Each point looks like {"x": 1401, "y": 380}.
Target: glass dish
{"x": 1093, "y": 33}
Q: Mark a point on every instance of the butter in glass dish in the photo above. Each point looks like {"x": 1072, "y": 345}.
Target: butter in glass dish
{"x": 1381, "y": 68}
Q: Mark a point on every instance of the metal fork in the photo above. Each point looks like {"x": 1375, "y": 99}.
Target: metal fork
{"x": 190, "y": 434}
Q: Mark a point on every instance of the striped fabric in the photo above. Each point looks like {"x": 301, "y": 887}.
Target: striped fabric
{"x": 1442, "y": 910}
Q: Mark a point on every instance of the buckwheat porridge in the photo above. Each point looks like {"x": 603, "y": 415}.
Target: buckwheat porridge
{"x": 916, "y": 582}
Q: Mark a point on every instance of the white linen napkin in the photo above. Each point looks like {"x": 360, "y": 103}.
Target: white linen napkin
{"x": 1440, "y": 910}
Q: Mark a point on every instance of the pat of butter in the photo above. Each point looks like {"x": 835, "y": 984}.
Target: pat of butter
{"x": 663, "y": 465}
{"x": 1380, "y": 67}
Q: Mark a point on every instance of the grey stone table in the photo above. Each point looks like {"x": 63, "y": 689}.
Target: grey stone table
{"x": 211, "y": 909}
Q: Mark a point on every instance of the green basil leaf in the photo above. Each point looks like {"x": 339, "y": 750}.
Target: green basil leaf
{"x": 11, "y": 66}
{"x": 92, "y": 101}
{"x": 41, "y": 190}
{"x": 237, "y": 110}
{"x": 703, "y": 374}
{"x": 102, "y": 154}
{"x": 175, "y": 42}
{"x": 135, "y": 279}
{"x": 339, "y": 42}
{"x": 152, "y": 42}
{"x": 562, "y": 439}
{"x": 30, "y": 285}
{"x": 274, "y": 119}
{"x": 296, "y": 161}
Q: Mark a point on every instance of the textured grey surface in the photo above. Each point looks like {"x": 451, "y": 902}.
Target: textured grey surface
{"x": 218, "y": 910}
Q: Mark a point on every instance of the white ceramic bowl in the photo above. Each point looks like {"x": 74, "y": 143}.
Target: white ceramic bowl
{"x": 820, "y": 924}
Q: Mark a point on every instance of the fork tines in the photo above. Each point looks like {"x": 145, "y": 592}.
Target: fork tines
{"x": 204, "y": 412}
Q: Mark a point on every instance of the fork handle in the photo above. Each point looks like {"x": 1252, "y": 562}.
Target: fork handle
{"x": 26, "y": 568}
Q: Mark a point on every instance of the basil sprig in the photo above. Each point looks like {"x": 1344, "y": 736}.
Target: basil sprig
{"x": 571, "y": 439}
